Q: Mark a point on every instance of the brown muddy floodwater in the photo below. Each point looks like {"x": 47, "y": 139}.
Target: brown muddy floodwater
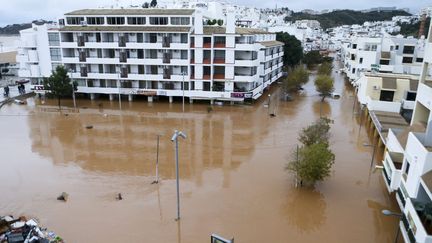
{"x": 233, "y": 181}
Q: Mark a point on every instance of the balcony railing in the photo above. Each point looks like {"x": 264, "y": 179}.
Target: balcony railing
{"x": 219, "y": 60}
{"x": 219, "y": 45}
{"x": 411, "y": 236}
{"x": 219, "y": 76}
{"x": 386, "y": 177}
{"x": 401, "y": 197}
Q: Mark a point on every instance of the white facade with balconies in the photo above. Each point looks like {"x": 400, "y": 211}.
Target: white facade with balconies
{"x": 153, "y": 52}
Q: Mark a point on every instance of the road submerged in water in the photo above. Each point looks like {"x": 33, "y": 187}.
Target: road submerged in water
{"x": 233, "y": 181}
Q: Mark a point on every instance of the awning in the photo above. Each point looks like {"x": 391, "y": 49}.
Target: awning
{"x": 413, "y": 84}
{"x": 389, "y": 83}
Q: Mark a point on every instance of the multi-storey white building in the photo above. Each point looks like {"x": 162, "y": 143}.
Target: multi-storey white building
{"x": 408, "y": 162}
{"x": 383, "y": 54}
{"x": 153, "y": 52}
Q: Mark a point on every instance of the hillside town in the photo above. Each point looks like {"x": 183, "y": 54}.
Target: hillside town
{"x": 293, "y": 121}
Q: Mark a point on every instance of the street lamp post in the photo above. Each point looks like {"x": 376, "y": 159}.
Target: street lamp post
{"x": 175, "y": 139}
{"x": 390, "y": 213}
{"x": 268, "y": 104}
{"x": 373, "y": 152}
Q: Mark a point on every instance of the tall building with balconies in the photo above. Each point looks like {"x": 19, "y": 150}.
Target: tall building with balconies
{"x": 153, "y": 52}
{"x": 408, "y": 162}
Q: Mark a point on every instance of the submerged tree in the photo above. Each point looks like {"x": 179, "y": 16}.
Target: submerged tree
{"x": 325, "y": 68}
{"x": 318, "y": 132}
{"x": 297, "y": 78}
{"x": 58, "y": 84}
{"x": 324, "y": 84}
{"x": 312, "y": 163}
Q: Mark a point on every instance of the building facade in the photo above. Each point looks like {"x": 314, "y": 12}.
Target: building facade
{"x": 153, "y": 52}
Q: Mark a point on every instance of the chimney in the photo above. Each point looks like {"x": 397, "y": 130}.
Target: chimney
{"x": 230, "y": 22}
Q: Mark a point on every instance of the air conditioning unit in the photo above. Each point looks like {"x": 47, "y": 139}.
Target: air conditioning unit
{"x": 160, "y": 51}
{"x": 132, "y": 34}
{"x": 159, "y": 34}
{"x": 175, "y": 34}
{"x": 83, "y": 23}
{"x": 375, "y": 87}
{"x": 133, "y": 50}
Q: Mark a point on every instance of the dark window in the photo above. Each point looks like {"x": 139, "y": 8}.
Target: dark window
{"x": 408, "y": 49}
{"x": 136, "y": 20}
{"x": 361, "y": 60}
{"x": 407, "y": 60}
{"x": 384, "y": 62}
{"x": 115, "y": 20}
{"x": 411, "y": 96}
{"x": 407, "y": 167}
{"x": 419, "y": 59}
{"x": 354, "y": 46}
{"x": 95, "y": 20}
{"x": 74, "y": 20}
{"x": 158, "y": 20}
{"x": 387, "y": 95}
{"x": 397, "y": 47}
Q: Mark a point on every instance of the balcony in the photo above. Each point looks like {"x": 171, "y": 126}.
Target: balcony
{"x": 392, "y": 169}
{"x": 219, "y": 76}
{"x": 207, "y": 45}
{"x": 219, "y": 61}
{"x": 206, "y": 60}
{"x": 206, "y": 77}
{"x": 417, "y": 220}
{"x": 219, "y": 45}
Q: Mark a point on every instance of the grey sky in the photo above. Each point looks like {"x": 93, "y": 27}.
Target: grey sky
{"x": 21, "y": 11}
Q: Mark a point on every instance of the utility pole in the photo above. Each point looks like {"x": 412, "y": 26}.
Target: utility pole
{"x": 157, "y": 161}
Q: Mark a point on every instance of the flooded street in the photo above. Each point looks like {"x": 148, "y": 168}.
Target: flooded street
{"x": 233, "y": 180}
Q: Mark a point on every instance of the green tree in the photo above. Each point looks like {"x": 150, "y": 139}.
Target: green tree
{"x": 293, "y": 50}
{"x": 325, "y": 68}
{"x": 318, "y": 132}
{"x": 146, "y": 5}
{"x": 220, "y": 22}
{"x": 58, "y": 84}
{"x": 298, "y": 77}
{"x": 312, "y": 58}
{"x": 153, "y": 3}
{"x": 324, "y": 85}
{"x": 312, "y": 163}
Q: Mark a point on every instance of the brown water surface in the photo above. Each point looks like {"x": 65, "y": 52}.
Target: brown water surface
{"x": 232, "y": 173}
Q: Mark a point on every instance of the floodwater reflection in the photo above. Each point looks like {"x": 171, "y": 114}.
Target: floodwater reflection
{"x": 305, "y": 209}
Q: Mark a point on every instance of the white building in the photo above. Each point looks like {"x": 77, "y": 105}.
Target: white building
{"x": 408, "y": 162}
{"x": 383, "y": 54}
{"x": 153, "y": 52}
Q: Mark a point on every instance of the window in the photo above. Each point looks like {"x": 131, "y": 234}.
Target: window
{"x": 158, "y": 20}
{"x": 54, "y": 39}
{"x": 411, "y": 96}
{"x": 419, "y": 59}
{"x": 407, "y": 60}
{"x": 115, "y": 20}
{"x": 361, "y": 60}
{"x": 354, "y": 46}
{"x": 387, "y": 95}
{"x": 183, "y": 38}
{"x": 74, "y": 20}
{"x": 55, "y": 54}
{"x": 408, "y": 50}
{"x": 180, "y": 20}
{"x": 373, "y": 47}
{"x": 136, "y": 20}
{"x": 384, "y": 62}
{"x": 397, "y": 47}
{"x": 95, "y": 20}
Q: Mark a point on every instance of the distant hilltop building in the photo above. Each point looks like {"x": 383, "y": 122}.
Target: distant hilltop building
{"x": 384, "y": 9}
{"x": 153, "y": 52}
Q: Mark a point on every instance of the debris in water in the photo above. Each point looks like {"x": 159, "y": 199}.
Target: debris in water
{"x": 63, "y": 197}
{"x": 23, "y": 230}
{"x": 89, "y": 126}
{"x": 119, "y": 196}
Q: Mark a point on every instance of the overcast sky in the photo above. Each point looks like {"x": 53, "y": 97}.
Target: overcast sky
{"x": 21, "y": 11}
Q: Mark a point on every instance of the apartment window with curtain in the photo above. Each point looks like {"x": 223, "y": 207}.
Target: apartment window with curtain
{"x": 74, "y": 20}
{"x": 136, "y": 20}
{"x": 54, "y": 39}
{"x": 158, "y": 20}
{"x": 180, "y": 20}
{"x": 55, "y": 54}
{"x": 95, "y": 20}
{"x": 115, "y": 20}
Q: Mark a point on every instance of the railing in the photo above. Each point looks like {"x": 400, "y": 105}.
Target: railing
{"x": 386, "y": 177}
{"x": 401, "y": 197}
{"x": 411, "y": 236}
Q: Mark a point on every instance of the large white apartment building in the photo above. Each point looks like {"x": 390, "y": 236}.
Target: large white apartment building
{"x": 408, "y": 162}
{"x": 153, "y": 52}
{"x": 382, "y": 54}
